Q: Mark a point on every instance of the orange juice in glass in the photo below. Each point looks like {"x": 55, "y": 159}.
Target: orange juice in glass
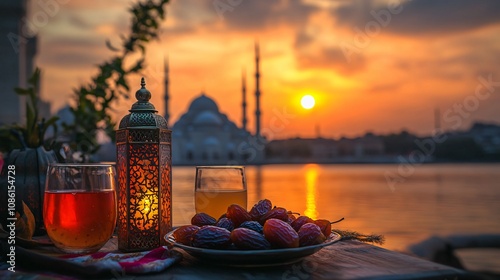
{"x": 79, "y": 206}
{"x": 217, "y": 187}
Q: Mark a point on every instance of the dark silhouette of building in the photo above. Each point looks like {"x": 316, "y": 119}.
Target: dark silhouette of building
{"x": 257, "y": 91}
{"x": 244, "y": 101}
{"x": 166, "y": 96}
{"x": 18, "y": 48}
{"x": 204, "y": 135}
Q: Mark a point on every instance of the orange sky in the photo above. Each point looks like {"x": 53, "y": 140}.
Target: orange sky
{"x": 366, "y": 75}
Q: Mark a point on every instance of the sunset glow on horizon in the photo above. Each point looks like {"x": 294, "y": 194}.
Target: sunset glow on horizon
{"x": 370, "y": 65}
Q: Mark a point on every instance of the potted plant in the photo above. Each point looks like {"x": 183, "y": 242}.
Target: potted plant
{"x": 28, "y": 158}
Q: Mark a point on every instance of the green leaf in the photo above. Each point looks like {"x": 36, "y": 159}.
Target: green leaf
{"x": 30, "y": 117}
{"x": 22, "y": 91}
{"x": 35, "y": 78}
{"x": 25, "y": 223}
{"x": 110, "y": 46}
{"x": 137, "y": 67}
{"x": 51, "y": 122}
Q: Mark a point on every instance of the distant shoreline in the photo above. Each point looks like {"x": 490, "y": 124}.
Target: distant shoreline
{"x": 347, "y": 162}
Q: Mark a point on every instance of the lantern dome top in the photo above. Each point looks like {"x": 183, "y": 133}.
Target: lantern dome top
{"x": 143, "y": 114}
{"x": 143, "y": 93}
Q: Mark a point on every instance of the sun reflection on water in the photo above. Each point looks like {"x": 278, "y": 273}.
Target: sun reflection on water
{"x": 311, "y": 182}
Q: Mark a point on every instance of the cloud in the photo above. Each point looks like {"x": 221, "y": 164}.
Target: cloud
{"x": 423, "y": 17}
{"x": 73, "y": 52}
{"x": 187, "y": 14}
{"x": 385, "y": 87}
{"x": 177, "y": 30}
{"x": 332, "y": 58}
{"x": 303, "y": 39}
{"x": 78, "y": 21}
{"x": 251, "y": 14}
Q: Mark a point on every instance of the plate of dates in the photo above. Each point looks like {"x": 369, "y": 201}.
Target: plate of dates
{"x": 236, "y": 257}
{"x": 264, "y": 236}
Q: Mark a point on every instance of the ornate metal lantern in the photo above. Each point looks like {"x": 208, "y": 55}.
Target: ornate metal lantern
{"x": 144, "y": 164}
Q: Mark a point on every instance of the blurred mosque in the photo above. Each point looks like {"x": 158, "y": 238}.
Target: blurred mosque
{"x": 204, "y": 135}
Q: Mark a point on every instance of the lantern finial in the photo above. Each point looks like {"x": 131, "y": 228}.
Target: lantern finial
{"x": 143, "y": 94}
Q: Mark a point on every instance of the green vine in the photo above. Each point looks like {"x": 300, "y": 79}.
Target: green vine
{"x": 92, "y": 112}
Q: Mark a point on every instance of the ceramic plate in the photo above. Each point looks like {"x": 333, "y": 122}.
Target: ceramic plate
{"x": 235, "y": 257}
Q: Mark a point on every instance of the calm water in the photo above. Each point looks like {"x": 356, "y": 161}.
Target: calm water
{"x": 436, "y": 199}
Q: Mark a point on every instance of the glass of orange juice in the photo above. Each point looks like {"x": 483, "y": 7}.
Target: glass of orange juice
{"x": 217, "y": 187}
{"x": 79, "y": 209}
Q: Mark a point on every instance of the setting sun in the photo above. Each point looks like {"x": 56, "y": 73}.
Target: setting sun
{"x": 307, "y": 101}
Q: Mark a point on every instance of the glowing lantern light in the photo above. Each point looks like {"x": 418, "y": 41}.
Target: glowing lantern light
{"x": 144, "y": 164}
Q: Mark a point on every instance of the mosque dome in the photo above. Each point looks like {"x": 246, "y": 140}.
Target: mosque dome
{"x": 203, "y": 103}
{"x": 207, "y": 118}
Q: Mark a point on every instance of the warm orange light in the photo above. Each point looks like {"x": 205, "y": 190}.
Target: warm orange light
{"x": 311, "y": 179}
{"x": 307, "y": 101}
{"x": 147, "y": 205}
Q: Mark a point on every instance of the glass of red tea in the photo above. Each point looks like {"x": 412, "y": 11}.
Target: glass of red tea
{"x": 79, "y": 208}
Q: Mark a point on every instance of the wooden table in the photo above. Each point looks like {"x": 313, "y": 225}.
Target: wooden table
{"x": 342, "y": 260}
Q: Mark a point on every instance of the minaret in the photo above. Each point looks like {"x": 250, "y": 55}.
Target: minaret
{"x": 244, "y": 101}
{"x": 437, "y": 121}
{"x": 257, "y": 91}
{"x": 167, "y": 90}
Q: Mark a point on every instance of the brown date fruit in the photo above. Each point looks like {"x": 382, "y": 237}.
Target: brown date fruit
{"x": 225, "y": 223}
{"x": 310, "y": 234}
{"x": 253, "y": 225}
{"x": 260, "y": 209}
{"x": 237, "y": 214}
{"x": 291, "y": 218}
{"x": 300, "y": 221}
{"x": 203, "y": 219}
{"x": 325, "y": 226}
{"x": 184, "y": 234}
{"x": 211, "y": 237}
{"x": 280, "y": 234}
{"x": 279, "y": 213}
{"x": 247, "y": 239}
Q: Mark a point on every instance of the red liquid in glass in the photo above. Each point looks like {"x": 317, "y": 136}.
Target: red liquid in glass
{"x": 79, "y": 220}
